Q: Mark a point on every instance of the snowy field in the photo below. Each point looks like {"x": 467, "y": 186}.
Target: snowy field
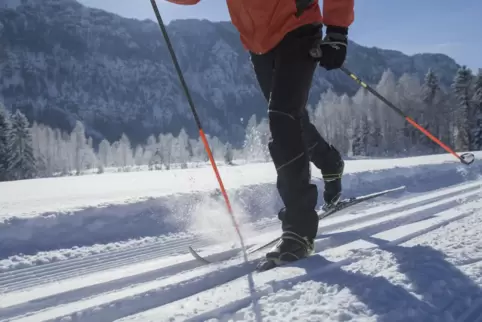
{"x": 113, "y": 247}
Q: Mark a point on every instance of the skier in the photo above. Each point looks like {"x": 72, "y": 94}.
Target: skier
{"x": 279, "y": 36}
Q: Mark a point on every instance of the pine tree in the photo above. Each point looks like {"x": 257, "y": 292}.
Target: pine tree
{"x": 477, "y": 117}
{"x": 228, "y": 156}
{"x": 375, "y": 139}
{"x": 360, "y": 140}
{"x": 156, "y": 161}
{"x": 461, "y": 86}
{"x": 264, "y": 136}
{"x": 21, "y": 159}
{"x": 165, "y": 148}
{"x": 125, "y": 153}
{"x": 139, "y": 155}
{"x": 430, "y": 88}
{"x": 254, "y": 149}
{"x": 430, "y": 91}
{"x": 150, "y": 150}
{"x": 105, "y": 153}
{"x": 182, "y": 148}
{"x": 79, "y": 143}
{"x": 5, "y": 142}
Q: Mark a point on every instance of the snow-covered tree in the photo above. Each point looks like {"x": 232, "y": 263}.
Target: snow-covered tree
{"x": 82, "y": 149}
{"x": 150, "y": 151}
{"x": 104, "y": 154}
{"x": 477, "y": 114}
{"x": 432, "y": 112}
{"x": 39, "y": 151}
{"x": 79, "y": 145}
{"x": 218, "y": 149}
{"x": 255, "y": 146}
{"x": 5, "y": 142}
{"x": 124, "y": 155}
{"x": 264, "y": 136}
{"x": 358, "y": 125}
{"x": 21, "y": 159}
{"x": 139, "y": 155}
{"x": 228, "y": 155}
{"x": 90, "y": 156}
{"x": 165, "y": 149}
{"x": 461, "y": 86}
{"x": 361, "y": 134}
{"x": 181, "y": 151}
{"x": 198, "y": 150}
{"x": 430, "y": 88}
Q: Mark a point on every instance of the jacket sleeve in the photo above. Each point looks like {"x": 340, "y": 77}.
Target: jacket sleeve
{"x": 340, "y": 13}
{"x": 184, "y": 2}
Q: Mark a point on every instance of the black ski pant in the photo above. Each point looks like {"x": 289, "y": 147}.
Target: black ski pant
{"x": 285, "y": 75}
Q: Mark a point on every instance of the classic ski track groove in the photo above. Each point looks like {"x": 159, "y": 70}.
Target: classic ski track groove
{"x": 52, "y": 277}
{"x": 283, "y": 285}
{"x": 155, "y": 247}
{"x": 36, "y": 275}
{"x": 164, "y": 295}
{"x": 57, "y": 271}
{"x": 126, "y": 306}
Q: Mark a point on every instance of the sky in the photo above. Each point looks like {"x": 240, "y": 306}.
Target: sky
{"x": 411, "y": 26}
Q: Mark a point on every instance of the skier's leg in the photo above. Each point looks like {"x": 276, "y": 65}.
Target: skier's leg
{"x": 263, "y": 66}
{"x": 291, "y": 82}
{"x": 292, "y": 246}
{"x": 323, "y": 155}
{"x": 326, "y": 158}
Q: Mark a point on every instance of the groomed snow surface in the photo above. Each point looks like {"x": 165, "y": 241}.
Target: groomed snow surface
{"x": 114, "y": 247}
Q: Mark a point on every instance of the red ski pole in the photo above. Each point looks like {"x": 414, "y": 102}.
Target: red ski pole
{"x": 198, "y": 122}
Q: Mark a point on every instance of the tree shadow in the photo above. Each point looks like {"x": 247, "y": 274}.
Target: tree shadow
{"x": 438, "y": 291}
{"x": 442, "y": 285}
{"x": 383, "y": 299}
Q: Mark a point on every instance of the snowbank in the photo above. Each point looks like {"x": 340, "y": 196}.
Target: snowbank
{"x": 60, "y": 213}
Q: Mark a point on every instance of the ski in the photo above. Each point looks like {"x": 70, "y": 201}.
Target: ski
{"x": 322, "y": 213}
{"x": 198, "y": 257}
{"x": 342, "y": 204}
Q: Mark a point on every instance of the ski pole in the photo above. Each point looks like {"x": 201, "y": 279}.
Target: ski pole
{"x": 465, "y": 158}
{"x": 198, "y": 121}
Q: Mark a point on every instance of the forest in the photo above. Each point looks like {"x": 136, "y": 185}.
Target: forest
{"x": 359, "y": 126}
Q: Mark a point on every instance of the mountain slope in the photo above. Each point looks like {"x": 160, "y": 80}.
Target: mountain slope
{"x": 61, "y": 61}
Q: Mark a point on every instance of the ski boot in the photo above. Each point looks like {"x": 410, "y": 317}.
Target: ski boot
{"x": 332, "y": 178}
{"x": 290, "y": 248}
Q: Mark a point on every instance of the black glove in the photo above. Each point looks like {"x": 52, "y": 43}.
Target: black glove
{"x": 331, "y": 51}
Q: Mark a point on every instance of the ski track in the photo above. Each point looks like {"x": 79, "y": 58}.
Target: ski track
{"x": 37, "y": 275}
{"x": 57, "y": 271}
{"x": 102, "y": 210}
{"x": 278, "y": 283}
{"x": 114, "y": 298}
{"x": 163, "y": 295}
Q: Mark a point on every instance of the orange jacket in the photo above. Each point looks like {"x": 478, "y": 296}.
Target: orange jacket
{"x": 263, "y": 23}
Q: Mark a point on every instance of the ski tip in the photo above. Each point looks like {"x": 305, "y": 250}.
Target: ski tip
{"x": 197, "y": 256}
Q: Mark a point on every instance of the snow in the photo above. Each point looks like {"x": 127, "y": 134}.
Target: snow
{"x": 113, "y": 247}
{"x": 34, "y": 197}
{"x": 321, "y": 289}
